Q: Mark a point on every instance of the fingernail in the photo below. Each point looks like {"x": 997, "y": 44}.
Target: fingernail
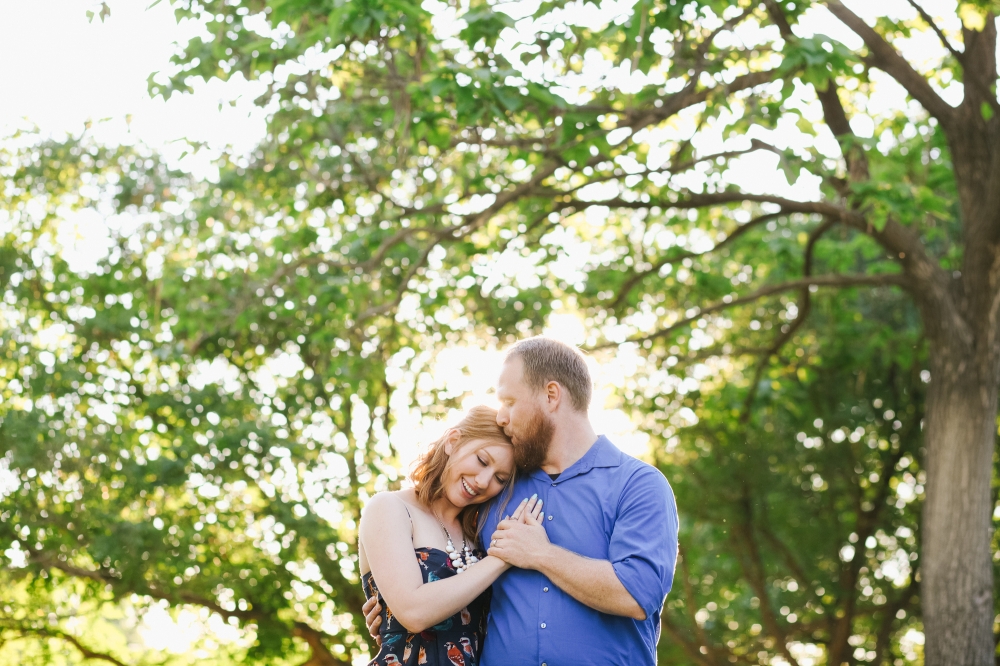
{"x": 534, "y": 496}
{"x": 524, "y": 500}
{"x": 540, "y": 502}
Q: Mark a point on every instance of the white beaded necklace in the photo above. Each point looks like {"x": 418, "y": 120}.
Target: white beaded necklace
{"x": 460, "y": 560}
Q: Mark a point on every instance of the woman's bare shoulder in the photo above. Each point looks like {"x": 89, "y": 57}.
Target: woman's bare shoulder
{"x": 387, "y": 502}
{"x": 392, "y": 503}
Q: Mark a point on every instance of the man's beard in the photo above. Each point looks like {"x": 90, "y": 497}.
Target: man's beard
{"x": 533, "y": 442}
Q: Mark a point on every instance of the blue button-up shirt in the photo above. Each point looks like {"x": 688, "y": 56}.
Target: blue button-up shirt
{"x": 606, "y": 506}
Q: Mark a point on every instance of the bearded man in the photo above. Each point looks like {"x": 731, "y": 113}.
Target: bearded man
{"x": 588, "y": 582}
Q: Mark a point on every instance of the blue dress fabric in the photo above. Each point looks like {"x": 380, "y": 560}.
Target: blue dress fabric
{"x": 457, "y": 641}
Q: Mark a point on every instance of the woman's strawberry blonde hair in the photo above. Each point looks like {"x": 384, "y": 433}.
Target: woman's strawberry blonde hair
{"x": 480, "y": 424}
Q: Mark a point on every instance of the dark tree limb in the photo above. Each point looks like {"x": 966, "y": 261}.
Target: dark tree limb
{"x": 818, "y": 281}
{"x": 691, "y": 604}
{"x": 755, "y": 145}
{"x": 836, "y": 120}
{"x": 321, "y": 655}
{"x": 678, "y": 636}
{"x": 46, "y": 632}
{"x": 886, "y": 58}
{"x": 929, "y": 20}
{"x": 926, "y": 280}
{"x": 745, "y": 545}
{"x": 884, "y": 635}
{"x": 805, "y": 304}
{"x": 689, "y": 97}
{"x": 638, "y": 276}
{"x": 720, "y": 198}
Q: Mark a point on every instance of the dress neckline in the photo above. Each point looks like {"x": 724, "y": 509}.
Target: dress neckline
{"x": 431, "y": 548}
{"x": 416, "y": 550}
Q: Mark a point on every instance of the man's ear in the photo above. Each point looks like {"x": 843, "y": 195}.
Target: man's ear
{"x": 451, "y": 439}
{"x": 553, "y": 395}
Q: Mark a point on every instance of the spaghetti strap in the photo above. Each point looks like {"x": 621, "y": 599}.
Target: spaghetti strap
{"x": 407, "y": 509}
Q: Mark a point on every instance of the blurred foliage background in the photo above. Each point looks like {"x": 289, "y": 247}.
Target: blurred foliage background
{"x": 191, "y": 422}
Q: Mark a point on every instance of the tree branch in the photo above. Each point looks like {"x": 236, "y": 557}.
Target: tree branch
{"x": 154, "y": 591}
{"x": 805, "y": 303}
{"x": 689, "y": 647}
{"x": 927, "y": 281}
{"x": 959, "y": 56}
{"x": 755, "y": 145}
{"x": 886, "y": 58}
{"x": 839, "y": 281}
{"x": 691, "y": 604}
{"x": 719, "y": 198}
{"x": 87, "y": 652}
{"x": 689, "y": 97}
{"x": 745, "y": 545}
{"x": 655, "y": 268}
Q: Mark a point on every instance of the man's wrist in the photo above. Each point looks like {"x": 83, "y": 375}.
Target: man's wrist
{"x": 543, "y": 559}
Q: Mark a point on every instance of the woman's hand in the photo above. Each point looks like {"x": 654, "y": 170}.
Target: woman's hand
{"x": 373, "y": 618}
{"x": 527, "y": 511}
{"x": 521, "y": 537}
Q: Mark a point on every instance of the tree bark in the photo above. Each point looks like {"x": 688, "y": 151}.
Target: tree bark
{"x": 961, "y": 426}
{"x": 956, "y": 569}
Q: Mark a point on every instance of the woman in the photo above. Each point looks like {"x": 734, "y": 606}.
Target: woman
{"x": 414, "y": 543}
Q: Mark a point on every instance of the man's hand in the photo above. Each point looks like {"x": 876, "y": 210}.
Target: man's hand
{"x": 373, "y": 619}
{"x": 521, "y": 541}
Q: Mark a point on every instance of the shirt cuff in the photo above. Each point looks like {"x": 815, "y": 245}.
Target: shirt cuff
{"x": 642, "y": 584}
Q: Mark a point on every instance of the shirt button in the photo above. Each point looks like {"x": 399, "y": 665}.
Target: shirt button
{"x": 545, "y": 589}
{"x": 550, "y": 516}
{"x": 553, "y": 485}
{"x": 543, "y": 625}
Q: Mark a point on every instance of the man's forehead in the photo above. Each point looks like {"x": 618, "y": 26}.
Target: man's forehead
{"x": 510, "y": 374}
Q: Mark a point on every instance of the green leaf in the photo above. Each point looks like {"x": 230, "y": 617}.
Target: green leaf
{"x": 986, "y": 110}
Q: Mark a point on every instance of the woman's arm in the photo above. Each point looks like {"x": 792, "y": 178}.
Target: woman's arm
{"x": 385, "y": 532}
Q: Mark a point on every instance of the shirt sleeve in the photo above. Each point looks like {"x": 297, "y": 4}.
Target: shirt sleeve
{"x": 643, "y": 548}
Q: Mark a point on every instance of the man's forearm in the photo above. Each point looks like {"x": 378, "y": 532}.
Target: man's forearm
{"x": 592, "y": 582}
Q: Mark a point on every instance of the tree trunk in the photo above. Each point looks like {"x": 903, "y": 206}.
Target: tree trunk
{"x": 961, "y": 426}
{"x": 956, "y": 569}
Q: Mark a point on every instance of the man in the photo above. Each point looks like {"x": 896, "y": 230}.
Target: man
{"x": 589, "y": 583}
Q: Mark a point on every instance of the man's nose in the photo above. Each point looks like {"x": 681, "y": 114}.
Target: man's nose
{"x": 502, "y": 418}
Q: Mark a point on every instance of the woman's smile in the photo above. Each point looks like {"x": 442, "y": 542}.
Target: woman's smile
{"x": 469, "y": 490}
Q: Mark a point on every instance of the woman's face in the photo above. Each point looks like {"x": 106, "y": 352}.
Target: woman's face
{"x": 478, "y": 472}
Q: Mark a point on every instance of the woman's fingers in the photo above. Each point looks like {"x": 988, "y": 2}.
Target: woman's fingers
{"x": 373, "y": 618}
{"x": 535, "y": 514}
{"x": 369, "y": 605}
{"x": 533, "y": 506}
{"x": 519, "y": 509}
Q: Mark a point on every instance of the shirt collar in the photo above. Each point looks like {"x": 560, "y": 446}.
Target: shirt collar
{"x": 602, "y": 453}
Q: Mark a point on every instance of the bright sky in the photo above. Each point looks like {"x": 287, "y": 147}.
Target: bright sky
{"x": 61, "y": 71}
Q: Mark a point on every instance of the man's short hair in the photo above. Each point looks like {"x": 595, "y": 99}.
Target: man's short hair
{"x": 547, "y": 360}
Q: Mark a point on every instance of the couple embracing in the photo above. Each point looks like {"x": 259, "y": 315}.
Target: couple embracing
{"x": 526, "y": 539}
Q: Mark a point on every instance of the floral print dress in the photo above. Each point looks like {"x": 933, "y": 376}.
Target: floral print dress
{"x": 457, "y": 641}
